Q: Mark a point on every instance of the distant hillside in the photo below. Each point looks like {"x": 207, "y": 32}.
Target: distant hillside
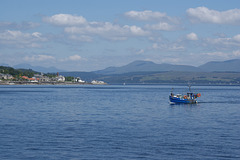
{"x": 146, "y": 66}
{"x": 38, "y": 68}
{"x": 17, "y": 72}
{"x": 222, "y": 66}
{"x": 226, "y": 72}
{"x": 147, "y": 72}
{"x": 176, "y": 77}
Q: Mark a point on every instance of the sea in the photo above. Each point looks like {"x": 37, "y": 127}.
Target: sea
{"x": 118, "y": 122}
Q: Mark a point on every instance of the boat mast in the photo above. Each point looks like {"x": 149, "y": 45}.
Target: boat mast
{"x": 189, "y": 87}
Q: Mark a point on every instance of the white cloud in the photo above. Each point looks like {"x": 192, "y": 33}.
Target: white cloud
{"x": 65, "y": 20}
{"x": 107, "y": 30}
{"x": 203, "y": 14}
{"x": 21, "y": 40}
{"x": 38, "y": 58}
{"x": 236, "y": 38}
{"x": 225, "y": 42}
{"x": 192, "y": 36}
{"x": 163, "y": 22}
{"x": 134, "y": 30}
{"x": 18, "y": 26}
{"x": 37, "y": 34}
{"x": 168, "y": 46}
{"x": 218, "y": 54}
{"x": 75, "y": 57}
{"x": 236, "y": 53}
{"x": 146, "y": 15}
{"x": 149, "y": 15}
{"x": 79, "y": 29}
{"x": 81, "y": 38}
{"x": 42, "y": 58}
{"x": 163, "y": 26}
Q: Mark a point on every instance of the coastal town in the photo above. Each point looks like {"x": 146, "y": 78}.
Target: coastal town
{"x": 42, "y": 79}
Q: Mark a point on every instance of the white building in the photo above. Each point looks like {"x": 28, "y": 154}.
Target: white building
{"x": 78, "y": 79}
{"x": 60, "y": 78}
{"x": 98, "y": 82}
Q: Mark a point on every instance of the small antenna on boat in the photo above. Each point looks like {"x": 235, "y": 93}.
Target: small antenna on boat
{"x": 189, "y": 86}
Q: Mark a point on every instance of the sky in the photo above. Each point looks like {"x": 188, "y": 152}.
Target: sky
{"x": 80, "y": 35}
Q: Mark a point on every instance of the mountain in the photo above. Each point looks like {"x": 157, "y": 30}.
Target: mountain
{"x": 146, "y": 66}
{"x": 38, "y": 68}
{"x": 174, "y": 77}
{"x": 222, "y": 66}
{"x": 220, "y": 73}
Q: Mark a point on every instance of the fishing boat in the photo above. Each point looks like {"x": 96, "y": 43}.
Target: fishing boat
{"x": 189, "y": 98}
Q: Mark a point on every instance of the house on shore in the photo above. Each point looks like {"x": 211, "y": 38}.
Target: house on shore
{"x": 59, "y": 78}
{"x": 42, "y": 78}
{"x": 6, "y": 76}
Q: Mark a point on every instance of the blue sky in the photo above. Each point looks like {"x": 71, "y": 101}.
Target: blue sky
{"x": 80, "y": 35}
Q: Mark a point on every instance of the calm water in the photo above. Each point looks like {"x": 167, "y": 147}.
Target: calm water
{"x": 118, "y": 122}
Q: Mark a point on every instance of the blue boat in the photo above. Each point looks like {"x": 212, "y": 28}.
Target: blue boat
{"x": 189, "y": 98}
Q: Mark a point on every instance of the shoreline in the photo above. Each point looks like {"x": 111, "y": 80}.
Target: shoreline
{"x": 88, "y": 83}
{"x": 46, "y": 83}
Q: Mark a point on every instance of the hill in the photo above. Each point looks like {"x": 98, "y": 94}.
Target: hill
{"x": 149, "y": 72}
{"x": 222, "y": 66}
{"x": 17, "y": 72}
{"x": 176, "y": 77}
{"x": 146, "y": 66}
{"x": 216, "y": 72}
{"x": 38, "y": 68}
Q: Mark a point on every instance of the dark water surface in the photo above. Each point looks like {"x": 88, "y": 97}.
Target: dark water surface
{"x": 118, "y": 122}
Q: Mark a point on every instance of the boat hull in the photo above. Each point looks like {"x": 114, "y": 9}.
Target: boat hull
{"x": 176, "y": 100}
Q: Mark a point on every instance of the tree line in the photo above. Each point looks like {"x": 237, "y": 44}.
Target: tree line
{"x": 17, "y": 72}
